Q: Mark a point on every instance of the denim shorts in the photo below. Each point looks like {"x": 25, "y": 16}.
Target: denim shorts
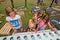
{"x": 41, "y": 28}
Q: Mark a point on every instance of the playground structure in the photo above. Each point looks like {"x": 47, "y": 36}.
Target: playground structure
{"x": 21, "y": 9}
{"x": 52, "y": 12}
{"x": 40, "y": 35}
{"x": 2, "y": 1}
{"x": 54, "y": 1}
{"x": 35, "y": 10}
{"x": 56, "y": 22}
{"x": 57, "y": 8}
{"x": 25, "y": 4}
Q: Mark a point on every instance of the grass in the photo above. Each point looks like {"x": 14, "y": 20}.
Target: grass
{"x": 17, "y": 3}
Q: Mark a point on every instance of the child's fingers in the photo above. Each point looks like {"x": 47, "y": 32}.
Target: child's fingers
{"x": 55, "y": 30}
{"x": 15, "y": 31}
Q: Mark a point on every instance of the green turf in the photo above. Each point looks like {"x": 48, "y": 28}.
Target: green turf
{"x": 17, "y": 3}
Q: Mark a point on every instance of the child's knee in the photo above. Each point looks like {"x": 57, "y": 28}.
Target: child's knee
{"x": 21, "y": 29}
{"x": 15, "y": 31}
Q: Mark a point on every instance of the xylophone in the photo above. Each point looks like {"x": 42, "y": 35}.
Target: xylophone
{"x": 40, "y": 35}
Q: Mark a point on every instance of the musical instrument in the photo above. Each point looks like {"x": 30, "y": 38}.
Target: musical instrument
{"x": 40, "y": 35}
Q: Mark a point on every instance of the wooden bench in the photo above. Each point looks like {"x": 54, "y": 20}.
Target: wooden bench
{"x": 2, "y": 1}
{"x": 57, "y": 8}
{"x": 20, "y": 11}
{"x": 55, "y": 15}
{"x": 5, "y": 30}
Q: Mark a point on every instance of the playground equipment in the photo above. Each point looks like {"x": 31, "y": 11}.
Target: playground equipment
{"x": 53, "y": 1}
{"x": 57, "y": 8}
{"x": 12, "y": 3}
{"x": 56, "y": 22}
{"x": 41, "y": 35}
{"x": 5, "y": 30}
{"x": 52, "y": 12}
{"x": 1, "y": 1}
{"x": 35, "y": 10}
{"x": 21, "y": 9}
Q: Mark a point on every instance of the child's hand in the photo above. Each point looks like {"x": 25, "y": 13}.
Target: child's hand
{"x": 35, "y": 31}
{"x": 55, "y": 30}
{"x": 12, "y": 27}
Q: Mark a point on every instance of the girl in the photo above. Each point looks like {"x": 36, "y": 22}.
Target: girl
{"x": 13, "y": 19}
{"x": 9, "y": 9}
{"x": 35, "y": 16}
{"x": 43, "y": 21}
{"x": 31, "y": 25}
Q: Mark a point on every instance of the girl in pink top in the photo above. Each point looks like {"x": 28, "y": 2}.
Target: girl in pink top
{"x": 43, "y": 21}
{"x": 41, "y": 24}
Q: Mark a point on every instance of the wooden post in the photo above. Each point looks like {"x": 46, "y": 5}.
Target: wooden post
{"x": 25, "y": 3}
{"x": 12, "y": 3}
{"x": 51, "y": 3}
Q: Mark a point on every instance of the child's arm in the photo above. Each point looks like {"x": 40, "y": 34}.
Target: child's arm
{"x": 10, "y": 24}
{"x": 29, "y": 22}
{"x": 51, "y": 27}
{"x": 15, "y": 31}
{"x": 20, "y": 21}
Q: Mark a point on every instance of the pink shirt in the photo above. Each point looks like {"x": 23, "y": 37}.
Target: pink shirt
{"x": 41, "y": 23}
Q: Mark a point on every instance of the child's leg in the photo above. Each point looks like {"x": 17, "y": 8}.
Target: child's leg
{"x": 42, "y": 28}
{"x": 33, "y": 29}
{"x": 15, "y": 31}
{"x": 21, "y": 29}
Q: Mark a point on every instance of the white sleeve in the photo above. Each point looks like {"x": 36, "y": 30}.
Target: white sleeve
{"x": 7, "y": 19}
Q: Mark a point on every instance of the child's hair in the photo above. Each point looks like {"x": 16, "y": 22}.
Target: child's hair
{"x": 33, "y": 19}
{"x": 40, "y": 12}
{"x": 34, "y": 14}
{"x": 46, "y": 17}
{"x": 9, "y": 10}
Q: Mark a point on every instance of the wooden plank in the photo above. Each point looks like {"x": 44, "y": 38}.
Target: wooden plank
{"x": 5, "y": 30}
{"x": 57, "y": 9}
